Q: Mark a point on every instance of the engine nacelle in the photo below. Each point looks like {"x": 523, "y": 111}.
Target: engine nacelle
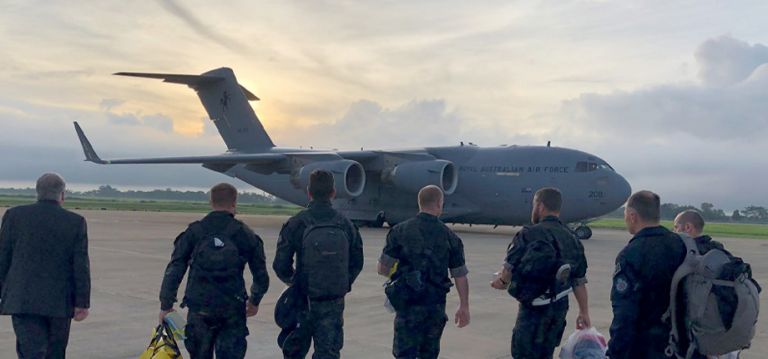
{"x": 349, "y": 176}
{"x": 413, "y": 176}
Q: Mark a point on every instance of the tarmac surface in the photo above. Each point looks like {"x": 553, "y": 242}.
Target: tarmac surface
{"x": 129, "y": 252}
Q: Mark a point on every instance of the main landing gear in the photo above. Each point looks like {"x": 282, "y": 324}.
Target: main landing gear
{"x": 583, "y": 232}
{"x": 377, "y": 223}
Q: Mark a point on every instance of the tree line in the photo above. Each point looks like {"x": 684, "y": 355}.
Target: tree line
{"x": 750, "y": 214}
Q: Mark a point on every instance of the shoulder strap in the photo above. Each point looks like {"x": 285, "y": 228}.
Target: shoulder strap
{"x": 196, "y": 228}
{"x": 555, "y": 245}
{"x": 198, "y": 233}
{"x": 690, "y": 244}
{"x": 687, "y": 267}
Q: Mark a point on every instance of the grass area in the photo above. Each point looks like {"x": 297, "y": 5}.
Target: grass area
{"x": 106, "y": 204}
{"x": 742, "y": 230}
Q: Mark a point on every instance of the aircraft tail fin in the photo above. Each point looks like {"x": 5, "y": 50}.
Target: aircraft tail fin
{"x": 227, "y": 105}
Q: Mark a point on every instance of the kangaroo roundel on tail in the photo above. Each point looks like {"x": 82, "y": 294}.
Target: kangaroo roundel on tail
{"x": 226, "y": 102}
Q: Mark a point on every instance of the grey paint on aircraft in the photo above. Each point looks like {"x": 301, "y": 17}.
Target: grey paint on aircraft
{"x": 491, "y": 185}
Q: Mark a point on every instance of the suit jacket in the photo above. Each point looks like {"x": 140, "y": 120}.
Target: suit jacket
{"x": 44, "y": 265}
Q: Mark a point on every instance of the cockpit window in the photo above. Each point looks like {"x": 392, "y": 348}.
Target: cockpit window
{"x": 606, "y": 166}
{"x": 589, "y": 166}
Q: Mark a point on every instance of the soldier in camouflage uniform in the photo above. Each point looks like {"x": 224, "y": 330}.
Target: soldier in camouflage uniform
{"x": 541, "y": 323}
{"x": 217, "y": 300}
{"x": 425, "y": 245}
{"x": 323, "y": 317}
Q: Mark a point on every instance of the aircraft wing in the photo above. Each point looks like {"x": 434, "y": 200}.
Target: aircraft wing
{"x": 253, "y": 159}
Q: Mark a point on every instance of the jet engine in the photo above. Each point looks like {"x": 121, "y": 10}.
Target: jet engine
{"x": 413, "y": 176}
{"x": 349, "y": 176}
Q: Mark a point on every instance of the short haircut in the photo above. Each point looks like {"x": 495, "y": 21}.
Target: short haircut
{"x": 647, "y": 205}
{"x": 50, "y": 186}
{"x": 550, "y": 197}
{"x": 693, "y": 217}
{"x": 430, "y": 196}
{"x": 223, "y": 195}
{"x": 321, "y": 185}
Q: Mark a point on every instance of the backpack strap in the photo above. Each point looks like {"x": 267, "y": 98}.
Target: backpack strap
{"x": 553, "y": 295}
{"x": 198, "y": 234}
{"x": 687, "y": 267}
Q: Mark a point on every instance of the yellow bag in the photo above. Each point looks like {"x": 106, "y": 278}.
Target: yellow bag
{"x": 163, "y": 345}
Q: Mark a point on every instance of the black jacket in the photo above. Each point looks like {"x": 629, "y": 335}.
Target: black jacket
{"x": 640, "y": 293}
{"x": 200, "y": 296}
{"x": 289, "y": 242}
{"x": 44, "y": 265}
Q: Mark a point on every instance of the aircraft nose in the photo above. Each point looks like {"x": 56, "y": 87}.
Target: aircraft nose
{"x": 621, "y": 189}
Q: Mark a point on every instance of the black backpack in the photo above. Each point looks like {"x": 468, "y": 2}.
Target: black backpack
{"x": 324, "y": 258}
{"x": 540, "y": 271}
{"x": 216, "y": 260}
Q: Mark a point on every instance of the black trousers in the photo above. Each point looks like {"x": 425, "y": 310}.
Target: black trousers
{"x": 40, "y": 337}
{"x": 538, "y": 330}
{"x": 322, "y": 324}
{"x": 224, "y": 334}
{"x": 418, "y": 330}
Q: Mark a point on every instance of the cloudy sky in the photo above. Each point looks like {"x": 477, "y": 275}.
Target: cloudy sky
{"x": 674, "y": 94}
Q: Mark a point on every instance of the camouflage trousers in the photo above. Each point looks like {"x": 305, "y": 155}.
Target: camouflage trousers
{"x": 221, "y": 333}
{"x": 538, "y": 330}
{"x": 322, "y": 324}
{"x": 418, "y": 330}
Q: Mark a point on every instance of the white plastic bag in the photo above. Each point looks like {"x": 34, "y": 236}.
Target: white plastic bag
{"x": 584, "y": 344}
{"x": 732, "y": 355}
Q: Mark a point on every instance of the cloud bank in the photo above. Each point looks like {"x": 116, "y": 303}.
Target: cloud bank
{"x": 704, "y": 139}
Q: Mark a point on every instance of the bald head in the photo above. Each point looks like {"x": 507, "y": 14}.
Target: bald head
{"x": 690, "y": 222}
{"x": 431, "y": 199}
{"x": 50, "y": 187}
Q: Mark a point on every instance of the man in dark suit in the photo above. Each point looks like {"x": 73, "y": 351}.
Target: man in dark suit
{"x": 44, "y": 271}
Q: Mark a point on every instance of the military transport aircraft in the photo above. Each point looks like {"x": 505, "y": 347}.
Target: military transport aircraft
{"x": 483, "y": 185}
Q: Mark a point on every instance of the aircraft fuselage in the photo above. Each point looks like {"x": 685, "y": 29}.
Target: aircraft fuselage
{"x": 495, "y": 186}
